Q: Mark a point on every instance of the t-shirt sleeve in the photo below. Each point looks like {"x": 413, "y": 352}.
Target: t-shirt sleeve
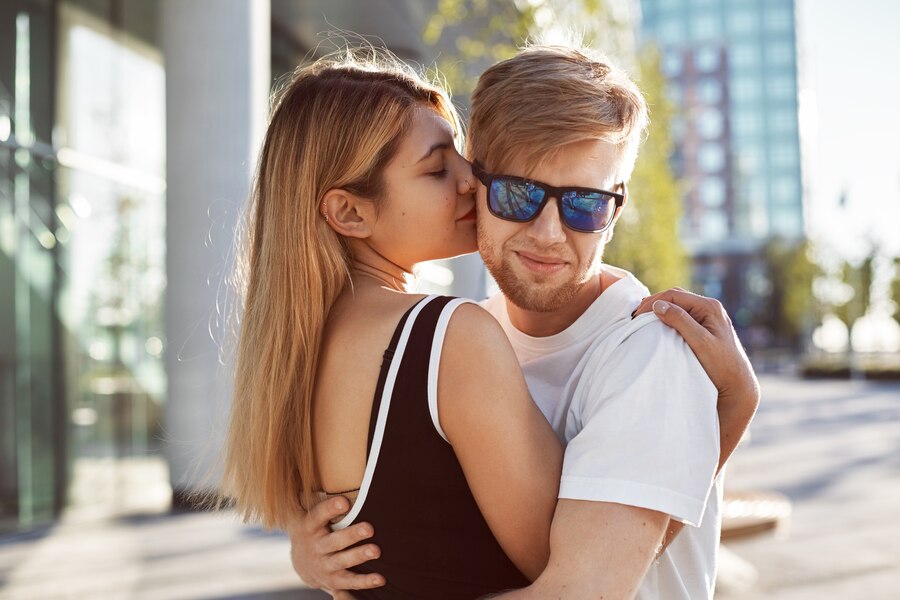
{"x": 643, "y": 428}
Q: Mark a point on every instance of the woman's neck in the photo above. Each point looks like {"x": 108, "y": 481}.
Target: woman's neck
{"x": 372, "y": 267}
{"x": 398, "y": 281}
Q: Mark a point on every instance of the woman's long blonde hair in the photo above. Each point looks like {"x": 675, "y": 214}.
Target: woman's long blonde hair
{"x": 336, "y": 124}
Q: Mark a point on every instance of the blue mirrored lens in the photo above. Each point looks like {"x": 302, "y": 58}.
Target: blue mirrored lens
{"x": 514, "y": 199}
{"x": 588, "y": 211}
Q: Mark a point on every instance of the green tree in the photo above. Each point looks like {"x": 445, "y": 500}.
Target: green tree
{"x": 859, "y": 278}
{"x": 790, "y": 309}
{"x": 473, "y": 34}
{"x": 646, "y": 239}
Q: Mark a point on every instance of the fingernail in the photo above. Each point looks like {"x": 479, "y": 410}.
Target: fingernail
{"x": 371, "y": 553}
{"x": 660, "y": 307}
{"x": 340, "y": 504}
{"x": 377, "y": 580}
{"x": 365, "y": 531}
{"x": 633, "y": 313}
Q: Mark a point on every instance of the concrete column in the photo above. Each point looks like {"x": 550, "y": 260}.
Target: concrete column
{"x": 217, "y": 60}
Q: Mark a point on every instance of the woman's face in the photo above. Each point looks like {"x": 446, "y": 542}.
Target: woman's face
{"x": 428, "y": 208}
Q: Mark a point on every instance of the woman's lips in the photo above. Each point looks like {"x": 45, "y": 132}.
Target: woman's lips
{"x": 469, "y": 216}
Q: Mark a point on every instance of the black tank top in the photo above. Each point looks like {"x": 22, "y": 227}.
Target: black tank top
{"x": 434, "y": 541}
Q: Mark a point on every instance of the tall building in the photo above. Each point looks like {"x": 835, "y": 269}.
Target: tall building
{"x": 732, "y": 71}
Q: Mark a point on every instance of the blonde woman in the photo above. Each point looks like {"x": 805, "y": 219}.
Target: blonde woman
{"x": 412, "y": 406}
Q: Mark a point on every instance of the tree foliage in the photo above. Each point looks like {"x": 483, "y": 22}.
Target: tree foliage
{"x": 860, "y": 278}
{"x": 790, "y": 309}
{"x": 646, "y": 238}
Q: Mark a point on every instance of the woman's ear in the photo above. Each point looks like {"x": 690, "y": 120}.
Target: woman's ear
{"x": 348, "y": 214}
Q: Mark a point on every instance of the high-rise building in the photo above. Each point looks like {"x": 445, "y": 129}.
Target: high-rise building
{"x": 732, "y": 70}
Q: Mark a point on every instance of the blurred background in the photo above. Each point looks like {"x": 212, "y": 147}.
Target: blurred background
{"x": 770, "y": 179}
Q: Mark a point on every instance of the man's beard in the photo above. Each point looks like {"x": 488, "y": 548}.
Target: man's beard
{"x": 525, "y": 295}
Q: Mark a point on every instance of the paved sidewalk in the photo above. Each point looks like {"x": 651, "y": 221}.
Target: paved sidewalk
{"x": 832, "y": 447}
{"x": 153, "y": 557}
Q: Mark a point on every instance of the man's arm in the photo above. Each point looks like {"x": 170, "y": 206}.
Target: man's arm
{"x": 597, "y": 550}
{"x": 707, "y": 329}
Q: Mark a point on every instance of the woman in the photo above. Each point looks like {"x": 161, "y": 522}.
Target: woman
{"x": 345, "y": 383}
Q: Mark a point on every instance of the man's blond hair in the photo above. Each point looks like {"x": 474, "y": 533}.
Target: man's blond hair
{"x": 527, "y": 107}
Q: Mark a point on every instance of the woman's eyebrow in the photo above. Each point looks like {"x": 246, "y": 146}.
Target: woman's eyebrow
{"x": 438, "y": 146}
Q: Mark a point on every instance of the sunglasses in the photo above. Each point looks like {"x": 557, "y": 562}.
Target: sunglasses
{"x": 516, "y": 199}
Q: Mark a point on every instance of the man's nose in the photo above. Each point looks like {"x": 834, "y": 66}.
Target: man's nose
{"x": 547, "y": 229}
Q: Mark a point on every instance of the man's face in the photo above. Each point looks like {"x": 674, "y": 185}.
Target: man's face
{"x": 542, "y": 265}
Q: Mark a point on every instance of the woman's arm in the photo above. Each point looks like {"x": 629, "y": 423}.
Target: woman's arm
{"x": 510, "y": 455}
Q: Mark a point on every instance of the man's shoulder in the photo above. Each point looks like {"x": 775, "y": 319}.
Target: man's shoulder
{"x": 643, "y": 336}
{"x": 645, "y": 352}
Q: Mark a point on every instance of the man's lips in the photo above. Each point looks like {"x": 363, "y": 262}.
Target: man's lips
{"x": 540, "y": 264}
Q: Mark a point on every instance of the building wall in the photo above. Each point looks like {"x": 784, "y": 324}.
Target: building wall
{"x": 733, "y": 72}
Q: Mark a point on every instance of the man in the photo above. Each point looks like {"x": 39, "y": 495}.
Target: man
{"x": 554, "y": 136}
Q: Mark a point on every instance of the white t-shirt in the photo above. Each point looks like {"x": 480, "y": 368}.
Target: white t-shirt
{"x": 638, "y": 414}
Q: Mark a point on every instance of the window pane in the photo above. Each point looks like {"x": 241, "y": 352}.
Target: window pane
{"x": 710, "y": 124}
{"x": 709, "y": 90}
{"x": 744, "y": 21}
{"x": 705, "y": 27}
{"x": 779, "y": 53}
{"x": 711, "y": 158}
{"x": 706, "y": 59}
{"x": 712, "y": 192}
{"x": 745, "y": 56}
{"x": 714, "y": 225}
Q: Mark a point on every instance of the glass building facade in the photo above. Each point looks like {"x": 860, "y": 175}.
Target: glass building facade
{"x": 732, "y": 70}
{"x": 82, "y": 216}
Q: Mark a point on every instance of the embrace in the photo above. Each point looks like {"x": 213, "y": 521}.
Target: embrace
{"x": 564, "y": 438}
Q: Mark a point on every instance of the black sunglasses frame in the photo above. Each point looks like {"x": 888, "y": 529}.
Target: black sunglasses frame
{"x": 550, "y": 191}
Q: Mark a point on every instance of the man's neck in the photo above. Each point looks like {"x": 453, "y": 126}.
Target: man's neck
{"x": 544, "y": 324}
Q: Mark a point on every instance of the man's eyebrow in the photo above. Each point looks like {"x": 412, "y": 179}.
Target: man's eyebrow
{"x": 438, "y": 146}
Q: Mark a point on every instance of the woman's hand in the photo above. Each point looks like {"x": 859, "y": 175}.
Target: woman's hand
{"x": 321, "y": 556}
{"x": 705, "y": 326}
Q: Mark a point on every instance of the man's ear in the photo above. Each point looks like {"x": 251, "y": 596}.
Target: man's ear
{"x": 348, "y": 214}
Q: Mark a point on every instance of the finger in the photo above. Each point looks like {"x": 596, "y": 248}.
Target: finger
{"x": 343, "y": 538}
{"x": 706, "y": 311}
{"x": 696, "y": 336}
{"x": 678, "y": 296}
{"x": 357, "y": 581}
{"x": 324, "y": 512}
{"x": 353, "y": 557}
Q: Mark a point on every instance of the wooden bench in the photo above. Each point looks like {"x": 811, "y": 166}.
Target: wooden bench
{"x": 750, "y": 513}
